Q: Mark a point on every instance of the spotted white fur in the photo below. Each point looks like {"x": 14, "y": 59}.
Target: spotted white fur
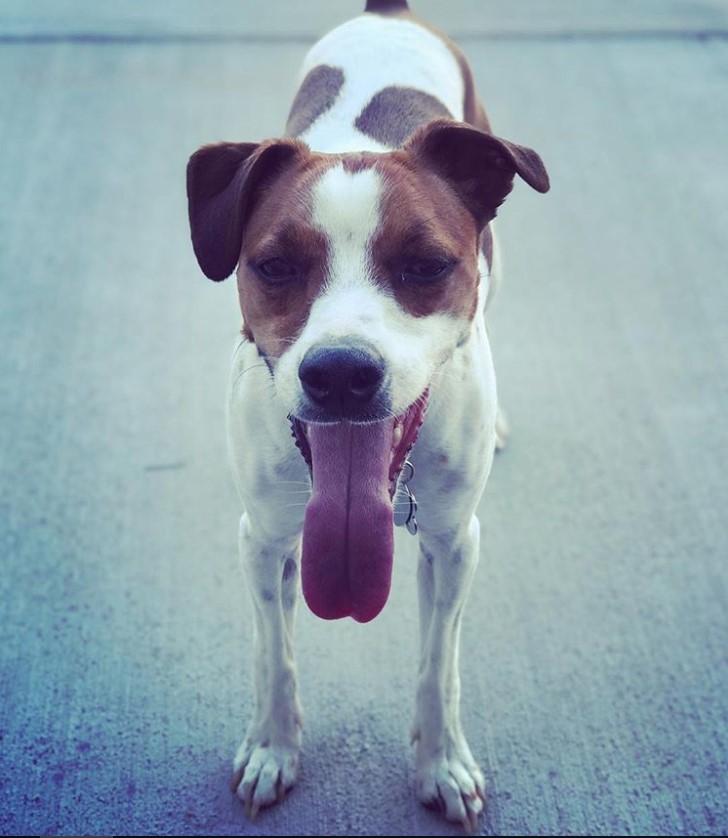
{"x": 407, "y": 55}
{"x": 452, "y": 457}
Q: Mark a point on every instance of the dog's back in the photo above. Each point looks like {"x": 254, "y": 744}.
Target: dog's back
{"x": 371, "y": 82}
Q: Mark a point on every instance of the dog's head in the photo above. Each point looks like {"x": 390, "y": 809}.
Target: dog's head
{"x": 359, "y": 275}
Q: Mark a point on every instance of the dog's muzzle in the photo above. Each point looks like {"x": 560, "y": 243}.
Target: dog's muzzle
{"x": 348, "y": 531}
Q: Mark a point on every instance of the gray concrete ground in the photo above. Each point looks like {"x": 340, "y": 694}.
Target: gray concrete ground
{"x": 595, "y": 676}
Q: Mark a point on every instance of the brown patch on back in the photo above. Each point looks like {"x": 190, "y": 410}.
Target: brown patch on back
{"x": 473, "y": 110}
{"x": 395, "y": 113}
{"x": 316, "y": 95}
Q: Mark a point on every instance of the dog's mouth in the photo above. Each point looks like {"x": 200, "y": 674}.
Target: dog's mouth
{"x": 348, "y": 530}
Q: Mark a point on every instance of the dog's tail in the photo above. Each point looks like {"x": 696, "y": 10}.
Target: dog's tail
{"x": 386, "y": 7}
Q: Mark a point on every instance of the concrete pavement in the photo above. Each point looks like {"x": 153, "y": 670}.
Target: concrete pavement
{"x": 595, "y": 673}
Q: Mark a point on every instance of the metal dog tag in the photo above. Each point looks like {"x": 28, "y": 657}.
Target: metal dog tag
{"x": 402, "y": 505}
{"x": 405, "y": 503}
{"x": 408, "y": 472}
{"x": 412, "y": 520}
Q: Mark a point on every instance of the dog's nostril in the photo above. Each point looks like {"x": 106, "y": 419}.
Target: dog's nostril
{"x": 363, "y": 380}
{"x": 314, "y": 379}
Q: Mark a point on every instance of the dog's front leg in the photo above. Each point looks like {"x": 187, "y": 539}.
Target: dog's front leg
{"x": 266, "y": 765}
{"x": 447, "y": 775}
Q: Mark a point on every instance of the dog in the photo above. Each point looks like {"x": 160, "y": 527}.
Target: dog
{"x": 365, "y": 263}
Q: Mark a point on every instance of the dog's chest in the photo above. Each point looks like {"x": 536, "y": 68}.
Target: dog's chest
{"x": 370, "y": 83}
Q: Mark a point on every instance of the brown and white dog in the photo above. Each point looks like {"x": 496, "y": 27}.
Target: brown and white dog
{"x": 364, "y": 265}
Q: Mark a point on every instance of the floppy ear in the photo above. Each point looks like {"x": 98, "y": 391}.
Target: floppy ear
{"x": 221, "y": 182}
{"x": 478, "y": 166}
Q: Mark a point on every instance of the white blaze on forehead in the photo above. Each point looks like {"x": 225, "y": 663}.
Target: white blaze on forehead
{"x": 346, "y": 209}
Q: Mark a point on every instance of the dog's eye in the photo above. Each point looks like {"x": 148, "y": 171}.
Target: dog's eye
{"x": 425, "y": 270}
{"x": 277, "y": 270}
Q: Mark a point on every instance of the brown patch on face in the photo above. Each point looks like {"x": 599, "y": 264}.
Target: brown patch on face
{"x": 395, "y": 113}
{"x": 357, "y": 161}
{"x": 281, "y": 228}
{"x": 423, "y": 221}
{"x": 316, "y": 95}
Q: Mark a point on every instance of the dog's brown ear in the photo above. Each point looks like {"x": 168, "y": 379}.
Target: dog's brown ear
{"x": 478, "y": 166}
{"x": 221, "y": 183}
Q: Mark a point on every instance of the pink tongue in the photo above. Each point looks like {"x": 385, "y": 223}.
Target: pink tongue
{"x": 348, "y": 534}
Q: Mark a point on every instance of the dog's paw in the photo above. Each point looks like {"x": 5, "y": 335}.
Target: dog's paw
{"x": 502, "y": 429}
{"x": 453, "y": 786}
{"x": 263, "y": 774}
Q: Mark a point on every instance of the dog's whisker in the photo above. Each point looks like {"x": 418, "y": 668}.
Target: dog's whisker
{"x": 290, "y": 341}
{"x": 240, "y": 344}
{"x": 247, "y": 369}
{"x": 443, "y": 374}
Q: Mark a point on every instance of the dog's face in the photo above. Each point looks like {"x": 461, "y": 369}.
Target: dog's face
{"x": 359, "y": 275}
{"x": 364, "y": 262}
{"x": 373, "y": 266}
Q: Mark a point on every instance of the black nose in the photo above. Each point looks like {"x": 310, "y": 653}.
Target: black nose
{"x": 342, "y": 380}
